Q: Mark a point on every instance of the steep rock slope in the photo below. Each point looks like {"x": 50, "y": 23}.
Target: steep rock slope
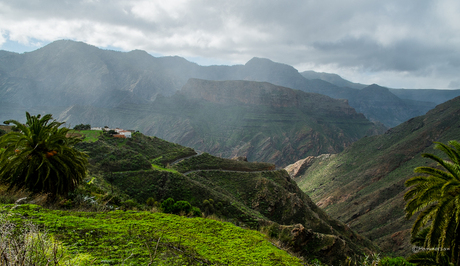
{"x": 258, "y": 120}
{"x": 364, "y": 185}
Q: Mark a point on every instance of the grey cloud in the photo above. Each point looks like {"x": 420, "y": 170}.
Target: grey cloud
{"x": 410, "y": 36}
{"x": 405, "y": 55}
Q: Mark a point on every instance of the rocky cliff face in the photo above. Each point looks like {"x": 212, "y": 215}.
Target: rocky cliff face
{"x": 241, "y": 92}
{"x": 258, "y": 120}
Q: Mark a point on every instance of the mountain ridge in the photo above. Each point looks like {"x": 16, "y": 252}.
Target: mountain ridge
{"x": 77, "y": 73}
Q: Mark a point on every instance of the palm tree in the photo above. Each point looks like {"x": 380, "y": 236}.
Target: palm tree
{"x": 435, "y": 196}
{"x": 40, "y": 157}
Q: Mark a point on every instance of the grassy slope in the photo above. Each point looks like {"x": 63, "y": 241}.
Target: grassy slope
{"x": 131, "y": 237}
{"x": 364, "y": 185}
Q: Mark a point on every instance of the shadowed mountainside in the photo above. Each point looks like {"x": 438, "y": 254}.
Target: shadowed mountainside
{"x": 258, "y": 120}
{"x": 363, "y": 186}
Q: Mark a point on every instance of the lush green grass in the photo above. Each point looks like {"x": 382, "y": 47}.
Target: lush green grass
{"x": 138, "y": 238}
{"x": 88, "y": 135}
{"x": 91, "y": 135}
{"x": 157, "y": 167}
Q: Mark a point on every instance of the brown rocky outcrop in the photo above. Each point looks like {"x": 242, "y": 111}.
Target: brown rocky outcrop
{"x": 298, "y": 168}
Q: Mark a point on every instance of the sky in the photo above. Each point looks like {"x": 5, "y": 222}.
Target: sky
{"x": 393, "y": 43}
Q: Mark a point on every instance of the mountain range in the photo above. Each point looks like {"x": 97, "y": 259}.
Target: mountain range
{"x": 66, "y": 73}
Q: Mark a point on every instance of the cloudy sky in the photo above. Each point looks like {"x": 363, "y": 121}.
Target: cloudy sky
{"x": 394, "y": 43}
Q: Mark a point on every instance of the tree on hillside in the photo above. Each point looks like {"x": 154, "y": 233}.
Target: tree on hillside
{"x": 40, "y": 157}
{"x": 2, "y": 132}
{"x": 435, "y": 196}
{"x": 82, "y": 127}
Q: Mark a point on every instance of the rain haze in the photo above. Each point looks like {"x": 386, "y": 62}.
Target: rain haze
{"x": 398, "y": 44}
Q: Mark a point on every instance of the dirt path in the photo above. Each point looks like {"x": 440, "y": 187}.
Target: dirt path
{"x": 181, "y": 159}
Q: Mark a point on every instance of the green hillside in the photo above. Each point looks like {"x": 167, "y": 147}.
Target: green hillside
{"x": 129, "y": 173}
{"x": 364, "y": 185}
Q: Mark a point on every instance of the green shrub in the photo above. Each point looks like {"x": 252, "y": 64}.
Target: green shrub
{"x": 151, "y": 202}
{"x": 168, "y": 205}
{"x": 182, "y": 206}
{"x": 196, "y": 212}
{"x": 273, "y": 230}
{"x": 130, "y": 204}
{"x": 208, "y": 206}
{"x": 82, "y": 127}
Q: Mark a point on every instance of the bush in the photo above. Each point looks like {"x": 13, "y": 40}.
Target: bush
{"x": 151, "y": 202}
{"x": 167, "y": 205}
{"x": 196, "y": 212}
{"x": 182, "y": 206}
{"x": 208, "y": 206}
{"x": 82, "y": 127}
{"x": 130, "y": 204}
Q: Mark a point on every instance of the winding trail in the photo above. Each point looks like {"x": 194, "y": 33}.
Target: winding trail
{"x": 185, "y": 158}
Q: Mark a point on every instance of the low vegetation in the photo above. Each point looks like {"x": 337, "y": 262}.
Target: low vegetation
{"x": 143, "y": 238}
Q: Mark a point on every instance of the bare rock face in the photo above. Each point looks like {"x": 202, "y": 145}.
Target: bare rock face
{"x": 298, "y": 168}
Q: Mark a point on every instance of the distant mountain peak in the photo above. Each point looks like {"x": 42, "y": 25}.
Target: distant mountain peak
{"x": 375, "y": 87}
{"x": 258, "y": 60}
{"x": 332, "y": 78}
